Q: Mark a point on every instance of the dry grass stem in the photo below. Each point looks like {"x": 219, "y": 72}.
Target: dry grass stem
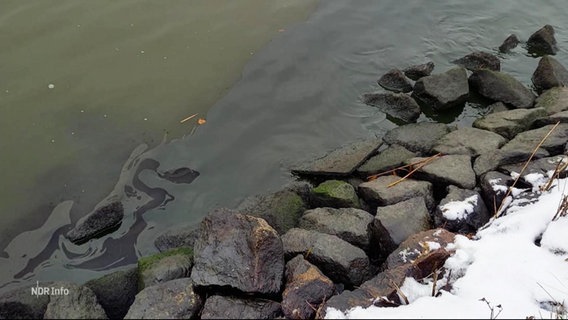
{"x": 400, "y": 293}
{"x": 562, "y": 210}
{"x": 418, "y": 167}
{"x": 395, "y": 170}
{"x": 560, "y": 166}
{"x": 500, "y": 209}
{"x": 188, "y": 118}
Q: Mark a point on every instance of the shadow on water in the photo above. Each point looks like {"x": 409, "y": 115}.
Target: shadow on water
{"x": 298, "y": 98}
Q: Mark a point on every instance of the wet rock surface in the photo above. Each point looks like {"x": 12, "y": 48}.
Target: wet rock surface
{"x": 509, "y": 123}
{"x": 176, "y": 238}
{"x": 98, "y": 223}
{"x": 501, "y": 87}
{"x": 549, "y": 74}
{"x": 388, "y": 159}
{"x": 479, "y": 60}
{"x": 116, "y": 291}
{"x": 397, "y": 105}
{"x": 442, "y": 91}
{"x": 394, "y": 80}
{"x": 418, "y": 71}
{"x": 165, "y": 266}
{"x": 542, "y": 41}
{"x": 509, "y": 43}
{"x": 80, "y": 303}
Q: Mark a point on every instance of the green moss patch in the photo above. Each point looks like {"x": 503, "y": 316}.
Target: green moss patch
{"x": 145, "y": 263}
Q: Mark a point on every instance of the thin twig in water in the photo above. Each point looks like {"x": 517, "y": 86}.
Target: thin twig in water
{"x": 188, "y": 118}
{"x": 499, "y": 210}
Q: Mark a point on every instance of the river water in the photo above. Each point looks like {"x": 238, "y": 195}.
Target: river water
{"x": 297, "y": 97}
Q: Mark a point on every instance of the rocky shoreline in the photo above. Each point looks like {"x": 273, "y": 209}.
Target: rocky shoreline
{"x": 351, "y": 230}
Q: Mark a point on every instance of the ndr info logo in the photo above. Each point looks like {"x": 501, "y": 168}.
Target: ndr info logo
{"x": 49, "y": 291}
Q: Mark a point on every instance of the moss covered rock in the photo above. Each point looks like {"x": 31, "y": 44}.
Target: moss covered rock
{"x": 335, "y": 194}
{"x": 168, "y": 265}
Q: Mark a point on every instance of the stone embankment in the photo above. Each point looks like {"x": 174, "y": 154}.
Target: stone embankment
{"x": 351, "y": 230}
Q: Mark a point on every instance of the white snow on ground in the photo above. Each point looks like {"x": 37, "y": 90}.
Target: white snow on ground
{"x": 455, "y": 210}
{"x": 503, "y": 265}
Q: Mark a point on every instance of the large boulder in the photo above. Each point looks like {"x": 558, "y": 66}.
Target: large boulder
{"x": 183, "y": 236}
{"x": 462, "y": 211}
{"x": 418, "y": 71}
{"x": 549, "y": 73}
{"x": 502, "y": 87}
{"x": 469, "y": 141}
{"x": 175, "y": 299}
{"x": 335, "y": 194}
{"x": 306, "y": 288}
{"x": 394, "y": 80}
{"x": 281, "y": 209}
{"x": 509, "y": 43}
{"x": 168, "y": 265}
{"x": 394, "y": 223}
{"x": 509, "y": 123}
{"x": 417, "y": 137}
{"x": 418, "y": 244}
{"x": 349, "y": 224}
{"x": 479, "y": 60}
{"x": 542, "y": 41}
{"x": 528, "y": 140}
{"x": 453, "y": 169}
{"x": 80, "y": 303}
{"x": 337, "y": 258}
{"x": 226, "y": 307}
{"x": 553, "y": 100}
{"x": 443, "y": 91}
{"x": 342, "y": 161}
{"x": 379, "y": 193}
{"x": 388, "y": 159}
{"x": 492, "y": 160}
{"x": 116, "y": 291}
{"x": 397, "y": 105}
{"x": 101, "y": 221}
{"x": 20, "y": 304}
{"x": 238, "y": 251}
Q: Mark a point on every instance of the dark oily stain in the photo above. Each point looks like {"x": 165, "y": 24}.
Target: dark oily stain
{"x": 180, "y": 175}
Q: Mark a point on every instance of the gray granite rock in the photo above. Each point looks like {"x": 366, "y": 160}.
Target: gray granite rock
{"x": 176, "y": 238}
{"x": 469, "y": 141}
{"x": 542, "y": 41}
{"x": 479, "y": 60}
{"x": 80, "y": 303}
{"x": 509, "y": 43}
{"x": 388, "y": 159}
{"x": 401, "y": 220}
{"x": 509, "y": 123}
{"x": 442, "y": 91}
{"x": 379, "y": 193}
{"x": 19, "y": 303}
{"x": 175, "y": 299}
{"x": 549, "y": 74}
{"x": 553, "y": 100}
{"x": 497, "y": 107}
{"x": 342, "y": 161}
{"x": 492, "y": 160}
{"x": 561, "y": 117}
{"x": 101, "y": 221}
{"x": 116, "y": 291}
{"x": 397, "y": 105}
{"x": 501, "y": 87}
{"x": 162, "y": 267}
{"x": 418, "y": 71}
{"x": 238, "y": 251}
{"x": 417, "y": 137}
{"x": 450, "y": 169}
{"x": 338, "y": 259}
{"x": 394, "y": 80}
{"x": 461, "y": 211}
{"x": 539, "y": 166}
{"x": 335, "y": 194}
{"x": 527, "y": 141}
{"x": 226, "y": 307}
{"x": 349, "y": 224}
